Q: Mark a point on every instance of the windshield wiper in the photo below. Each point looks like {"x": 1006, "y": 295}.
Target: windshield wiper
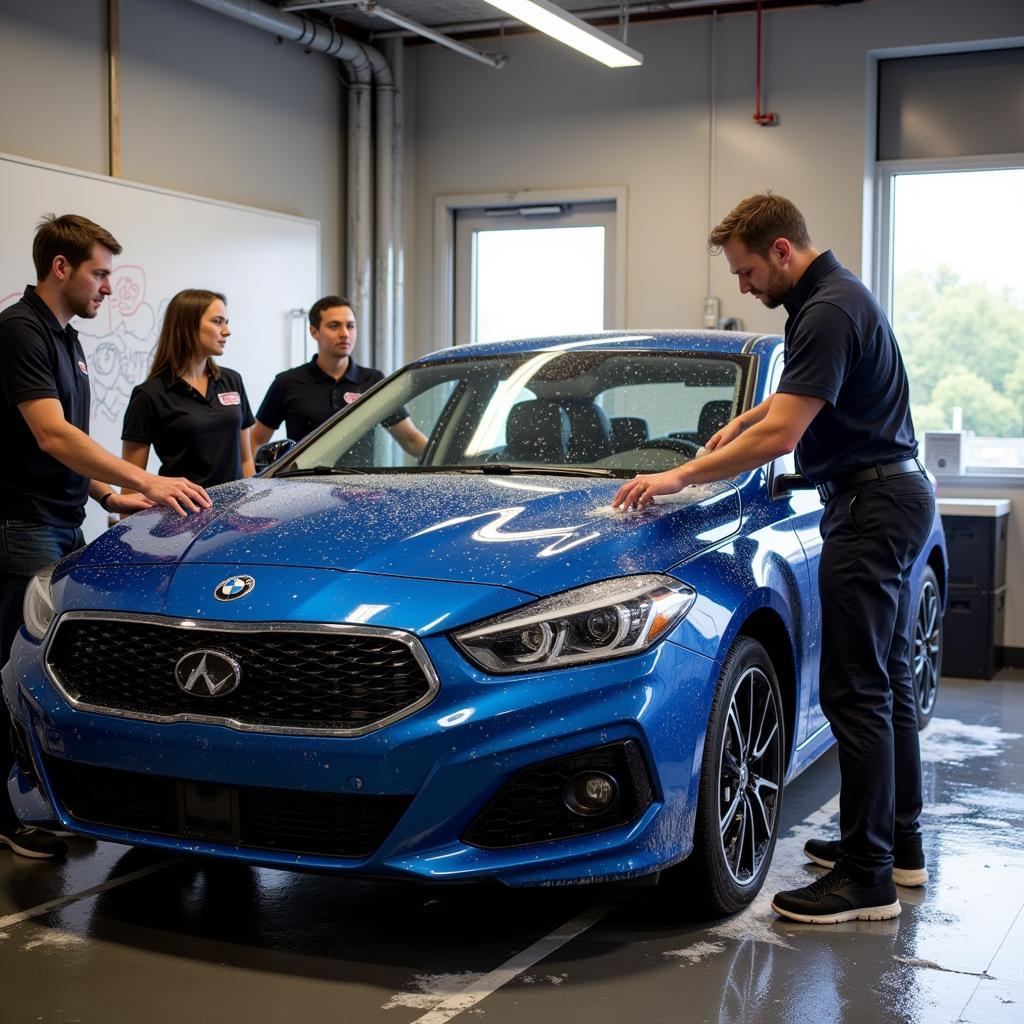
{"x": 320, "y": 471}
{"x": 507, "y": 469}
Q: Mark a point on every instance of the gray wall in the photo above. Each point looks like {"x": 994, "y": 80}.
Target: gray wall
{"x": 551, "y": 119}
{"x": 209, "y": 106}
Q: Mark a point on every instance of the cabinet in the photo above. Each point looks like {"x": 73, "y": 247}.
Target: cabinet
{"x": 972, "y": 628}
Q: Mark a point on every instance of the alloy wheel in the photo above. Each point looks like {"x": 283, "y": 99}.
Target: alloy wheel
{"x": 749, "y": 776}
{"x": 927, "y": 647}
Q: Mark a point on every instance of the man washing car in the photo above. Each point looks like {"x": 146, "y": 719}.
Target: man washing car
{"x": 843, "y": 405}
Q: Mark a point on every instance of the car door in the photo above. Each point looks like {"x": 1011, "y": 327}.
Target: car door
{"x": 803, "y": 512}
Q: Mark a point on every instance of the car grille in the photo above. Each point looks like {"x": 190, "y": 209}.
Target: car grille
{"x": 315, "y": 680}
{"x": 531, "y": 808}
{"x": 294, "y": 821}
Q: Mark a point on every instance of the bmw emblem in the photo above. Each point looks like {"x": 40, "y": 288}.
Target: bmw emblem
{"x": 233, "y": 588}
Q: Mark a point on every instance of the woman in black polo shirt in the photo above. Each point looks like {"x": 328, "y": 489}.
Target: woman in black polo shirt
{"x": 192, "y": 411}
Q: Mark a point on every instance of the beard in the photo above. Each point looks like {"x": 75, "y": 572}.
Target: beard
{"x": 776, "y": 291}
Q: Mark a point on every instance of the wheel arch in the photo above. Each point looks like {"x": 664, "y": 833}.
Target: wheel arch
{"x": 767, "y": 627}
{"x": 938, "y": 565}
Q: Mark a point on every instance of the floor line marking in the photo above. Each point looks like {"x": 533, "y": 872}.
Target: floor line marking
{"x": 514, "y": 966}
{"x": 63, "y": 901}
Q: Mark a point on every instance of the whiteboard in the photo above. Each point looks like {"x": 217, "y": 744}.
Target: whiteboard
{"x": 267, "y": 264}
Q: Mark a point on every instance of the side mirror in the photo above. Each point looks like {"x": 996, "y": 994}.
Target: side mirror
{"x": 270, "y": 452}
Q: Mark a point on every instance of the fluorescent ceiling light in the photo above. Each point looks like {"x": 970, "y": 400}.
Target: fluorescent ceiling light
{"x": 553, "y": 21}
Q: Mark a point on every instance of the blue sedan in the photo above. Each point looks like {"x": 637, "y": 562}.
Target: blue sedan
{"x": 464, "y": 666}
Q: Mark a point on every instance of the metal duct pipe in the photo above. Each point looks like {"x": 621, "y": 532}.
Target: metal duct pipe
{"x": 364, "y": 65}
{"x": 394, "y": 50}
{"x": 359, "y": 216}
{"x": 313, "y": 35}
{"x": 383, "y": 235}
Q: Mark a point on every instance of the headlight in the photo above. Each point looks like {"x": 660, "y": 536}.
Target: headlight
{"x": 592, "y": 623}
{"x": 38, "y": 608}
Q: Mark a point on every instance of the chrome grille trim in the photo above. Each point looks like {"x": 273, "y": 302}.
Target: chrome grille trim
{"x": 416, "y": 649}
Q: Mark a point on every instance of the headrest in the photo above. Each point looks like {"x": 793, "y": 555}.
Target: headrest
{"x": 628, "y": 432}
{"x": 713, "y": 416}
{"x": 537, "y": 431}
{"x": 589, "y": 431}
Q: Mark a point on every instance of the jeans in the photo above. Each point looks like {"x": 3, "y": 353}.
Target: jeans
{"x": 872, "y": 535}
{"x": 24, "y": 549}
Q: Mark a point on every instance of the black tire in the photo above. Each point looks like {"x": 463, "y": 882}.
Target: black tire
{"x": 740, "y": 793}
{"x": 926, "y": 646}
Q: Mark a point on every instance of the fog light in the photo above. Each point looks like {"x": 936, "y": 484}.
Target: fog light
{"x": 590, "y": 793}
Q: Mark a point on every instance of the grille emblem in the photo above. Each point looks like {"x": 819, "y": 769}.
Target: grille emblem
{"x": 206, "y": 673}
{"x": 233, "y": 588}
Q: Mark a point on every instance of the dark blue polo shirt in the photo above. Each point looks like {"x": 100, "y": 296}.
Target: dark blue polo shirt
{"x": 305, "y": 396}
{"x": 840, "y": 347}
{"x": 39, "y": 359}
{"x": 194, "y": 436}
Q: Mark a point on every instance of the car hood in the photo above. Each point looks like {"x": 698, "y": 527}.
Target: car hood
{"x": 534, "y": 533}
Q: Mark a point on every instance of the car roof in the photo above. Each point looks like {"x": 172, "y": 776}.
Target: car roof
{"x": 725, "y": 342}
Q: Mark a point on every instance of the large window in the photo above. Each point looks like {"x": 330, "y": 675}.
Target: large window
{"x": 950, "y": 205}
{"x": 956, "y": 298}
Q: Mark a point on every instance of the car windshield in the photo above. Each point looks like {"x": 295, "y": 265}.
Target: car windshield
{"x": 589, "y": 412}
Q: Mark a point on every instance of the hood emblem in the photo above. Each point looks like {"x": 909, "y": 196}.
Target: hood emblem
{"x": 207, "y": 673}
{"x": 233, "y": 588}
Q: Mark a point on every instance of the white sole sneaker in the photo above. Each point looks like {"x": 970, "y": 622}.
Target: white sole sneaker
{"x": 24, "y": 851}
{"x": 909, "y": 878}
{"x": 883, "y": 913}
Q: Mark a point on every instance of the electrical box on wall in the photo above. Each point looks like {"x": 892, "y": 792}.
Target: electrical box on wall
{"x": 712, "y": 307}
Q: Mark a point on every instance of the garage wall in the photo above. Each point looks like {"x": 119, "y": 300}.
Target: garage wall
{"x": 554, "y": 119}
{"x": 208, "y": 106}
{"x": 551, "y": 119}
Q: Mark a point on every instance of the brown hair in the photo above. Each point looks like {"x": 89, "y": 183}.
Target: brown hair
{"x": 179, "y": 331}
{"x": 758, "y": 221}
{"x": 317, "y": 310}
{"x": 70, "y": 236}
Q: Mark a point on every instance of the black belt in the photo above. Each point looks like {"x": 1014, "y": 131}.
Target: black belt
{"x": 831, "y": 488}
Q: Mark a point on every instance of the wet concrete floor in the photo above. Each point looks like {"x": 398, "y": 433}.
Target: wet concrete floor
{"x": 122, "y": 936}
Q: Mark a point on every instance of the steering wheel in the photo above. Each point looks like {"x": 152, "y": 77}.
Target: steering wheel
{"x": 672, "y": 444}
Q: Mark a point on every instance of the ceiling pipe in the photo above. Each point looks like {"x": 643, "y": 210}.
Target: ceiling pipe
{"x": 368, "y": 280}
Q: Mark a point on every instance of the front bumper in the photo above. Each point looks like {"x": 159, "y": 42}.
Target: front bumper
{"x": 448, "y": 761}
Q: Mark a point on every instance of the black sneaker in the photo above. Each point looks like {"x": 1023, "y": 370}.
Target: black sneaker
{"x": 908, "y": 862}
{"x": 27, "y": 841}
{"x": 835, "y": 898}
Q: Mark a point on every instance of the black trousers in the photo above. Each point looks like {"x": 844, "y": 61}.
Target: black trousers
{"x": 25, "y": 548}
{"x": 871, "y": 535}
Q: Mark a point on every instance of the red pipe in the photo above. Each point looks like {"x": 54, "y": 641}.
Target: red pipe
{"x": 764, "y": 119}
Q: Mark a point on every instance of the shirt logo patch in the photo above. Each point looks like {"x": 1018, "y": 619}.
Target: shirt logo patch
{"x": 230, "y": 398}
{"x": 83, "y": 367}
{"x": 351, "y": 396}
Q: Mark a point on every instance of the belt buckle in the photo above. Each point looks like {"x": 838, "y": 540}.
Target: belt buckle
{"x": 824, "y": 492}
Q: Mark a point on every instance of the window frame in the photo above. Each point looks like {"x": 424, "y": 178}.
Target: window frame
{"x": 447, "y": 206}
{"x": 885, "y": 174}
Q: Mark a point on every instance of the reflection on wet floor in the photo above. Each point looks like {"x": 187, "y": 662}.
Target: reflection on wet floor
{"x": 202, "y": 942}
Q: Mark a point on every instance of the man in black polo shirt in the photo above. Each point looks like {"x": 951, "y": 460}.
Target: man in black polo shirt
{"x": 843, "y": 405}
{"x": 307, "y": 395}
{"x": 48, "y": 463}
